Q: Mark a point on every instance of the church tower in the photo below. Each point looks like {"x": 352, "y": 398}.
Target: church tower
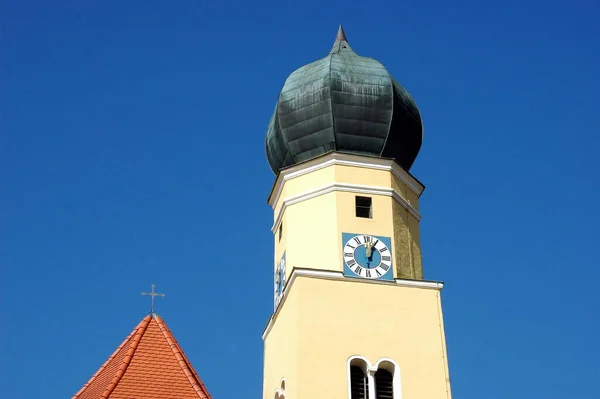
{"x": 353, "y": 316}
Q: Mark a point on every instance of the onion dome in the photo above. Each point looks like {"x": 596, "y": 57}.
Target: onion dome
{"x": 344, "y": 103}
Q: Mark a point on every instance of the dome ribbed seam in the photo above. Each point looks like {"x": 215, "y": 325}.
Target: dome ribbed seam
{"x": 391, "y": 116}
{"x": 330, "y": 83}
{"x": 280, "y": 130}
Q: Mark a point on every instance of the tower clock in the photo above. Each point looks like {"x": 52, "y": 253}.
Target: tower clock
{"x": 367, "y": 256}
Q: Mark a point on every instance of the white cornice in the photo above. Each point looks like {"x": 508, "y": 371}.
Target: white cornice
{"x": 339, "y": 276}
{"x": 347, "y": 187}
{"x": 336, "y": 158}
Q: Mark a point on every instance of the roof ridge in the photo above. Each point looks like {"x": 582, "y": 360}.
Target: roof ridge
{"x": 111, "y": 357}
{"x": 183, "y": 361}
{"x": 135, "y": 332}
{"x": 140, "y": 330}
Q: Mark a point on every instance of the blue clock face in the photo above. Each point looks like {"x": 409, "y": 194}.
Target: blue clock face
{"x": 367, "y": 256}
{"x": 279, "y": 280}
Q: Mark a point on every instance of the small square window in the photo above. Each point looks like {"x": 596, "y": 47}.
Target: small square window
{"x": 364, "y": 208}
{"x": 280, "y": 230}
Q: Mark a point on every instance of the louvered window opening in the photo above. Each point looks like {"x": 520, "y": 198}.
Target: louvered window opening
{"x": 359, "y": 385}
{"x": 383, "y": 385}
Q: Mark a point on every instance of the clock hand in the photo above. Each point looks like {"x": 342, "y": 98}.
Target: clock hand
{"x": 368, "y": 248}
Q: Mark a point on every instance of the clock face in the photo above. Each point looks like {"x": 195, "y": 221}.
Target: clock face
{"x": 279, "y": 280}
{"x": 367, "y": 256}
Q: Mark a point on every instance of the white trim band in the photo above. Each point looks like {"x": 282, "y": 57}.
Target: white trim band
{"x": 344, "y": 160}
{"x": 346, "y": 187}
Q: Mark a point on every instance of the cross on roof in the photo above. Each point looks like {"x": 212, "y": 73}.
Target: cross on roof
{"x": 152, "y": 295}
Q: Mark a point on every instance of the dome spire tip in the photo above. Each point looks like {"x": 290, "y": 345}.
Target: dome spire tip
{"x": 341, "y": 35}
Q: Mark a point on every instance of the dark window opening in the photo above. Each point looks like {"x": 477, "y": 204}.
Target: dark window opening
{"x": 383, "y": 385}
{"x": 364, "y": 207}
{"x": 280, "y": 230}
{"x": 359, "y": 385}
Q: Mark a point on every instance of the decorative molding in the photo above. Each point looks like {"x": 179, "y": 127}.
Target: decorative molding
{"x": 336, "y": 158}
{"x": 436, "y": 285}
{"x": 346, "y": 187}
{"x": 339, "y": 276}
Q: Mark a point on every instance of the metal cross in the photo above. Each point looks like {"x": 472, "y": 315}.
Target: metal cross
{"x": 152, "y": 294}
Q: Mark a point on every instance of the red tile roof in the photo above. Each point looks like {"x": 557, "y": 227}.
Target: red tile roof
{"x": 149, "y": 364}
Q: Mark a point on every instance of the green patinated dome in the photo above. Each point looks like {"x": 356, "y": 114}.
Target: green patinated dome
{"x": 344, "y": 103}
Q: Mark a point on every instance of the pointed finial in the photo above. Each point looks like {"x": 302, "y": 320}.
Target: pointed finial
{"x": 341, "y": 36}
{"x": 341, "y": 43}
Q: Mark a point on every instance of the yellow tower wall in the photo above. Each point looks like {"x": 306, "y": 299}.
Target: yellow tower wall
{"x": 324, "y": 318}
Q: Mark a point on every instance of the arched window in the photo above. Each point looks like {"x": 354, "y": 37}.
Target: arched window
{"x": 359, "y": 384}
{"x": 384, "y": 388}
{"x": 280, "y": 392}
{"x": 378, "y": 381}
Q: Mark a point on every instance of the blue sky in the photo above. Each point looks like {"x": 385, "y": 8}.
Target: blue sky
{"x": 132, "y": 153}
